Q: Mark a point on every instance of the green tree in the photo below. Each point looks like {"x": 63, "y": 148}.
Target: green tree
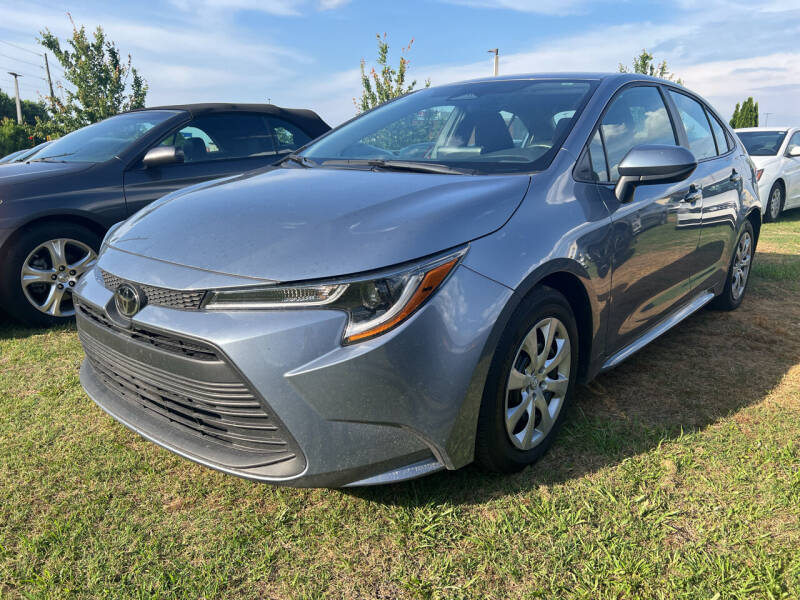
{"x": 14, "y": 136}
{"x": 379, "y": 86}
{"x": 645, "y": 65}
{"x": 30, "y": 109}
{"x": 745, "y": 115}
{"x": 98, "y": 75}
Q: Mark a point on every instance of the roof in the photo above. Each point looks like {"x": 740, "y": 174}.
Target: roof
{"x": 763, "y": 129}
{"x": 307, "y": 119}
{"x": 621, "y": 77}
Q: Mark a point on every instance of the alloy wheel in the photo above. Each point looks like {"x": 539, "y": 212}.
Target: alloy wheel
{"x": 741, "y": 265}
{"x": 775, "y": 202}
{"x": 50, "y": 272}
{"x": 537, "y": 384}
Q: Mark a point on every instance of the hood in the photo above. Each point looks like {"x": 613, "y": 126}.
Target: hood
{"x": 295, "y": 224}
{"x": 22, "y": 172}
{"x": 762, "y": 162}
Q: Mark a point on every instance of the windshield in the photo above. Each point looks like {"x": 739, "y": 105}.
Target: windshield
{"x": 104, "y": 140}
{"x": 762, "y": 143}
{"x": 503, "y": 126}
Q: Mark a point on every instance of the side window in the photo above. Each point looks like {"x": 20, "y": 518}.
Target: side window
{"x": 723, "y": 145}
{"x": 223, "y": 136}
{"x": 695, "y": 122}
{"x": 794, "y": 142}
{"x": 636, "y": 116}
{"x": 597, "y": 158}
{"x": 517, "y": 129}
{"x": 288, "y": 136}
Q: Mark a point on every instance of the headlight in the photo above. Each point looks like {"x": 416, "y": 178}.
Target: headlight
{"x": 374, "y": 305}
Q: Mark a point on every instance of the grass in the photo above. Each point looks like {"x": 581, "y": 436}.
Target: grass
{"x": 677, "y": 476}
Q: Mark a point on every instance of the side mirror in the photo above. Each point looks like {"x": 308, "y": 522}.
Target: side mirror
{"x": 652, "y": 163}
{"x": 794, "y": 151}
{"x": 162, "y": 155}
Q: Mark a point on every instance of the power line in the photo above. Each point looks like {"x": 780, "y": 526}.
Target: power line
{"x": 20, "y": 60}
{"x": 19, "y": 47}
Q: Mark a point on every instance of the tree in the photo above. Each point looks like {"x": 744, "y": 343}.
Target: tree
{"x": 745, "y": 115}
{"x": 99, "y": 77}
{"x": 644, "y": 64}
{"x": 30, "y": 110}
{"x": 386, "y": 83}
{"x": 13, "y": 136}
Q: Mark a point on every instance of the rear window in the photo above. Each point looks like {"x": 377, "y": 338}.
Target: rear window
{"x": 762, "y": 143}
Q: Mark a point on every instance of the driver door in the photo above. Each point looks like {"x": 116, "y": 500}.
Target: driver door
{"x": 656, "y": 234}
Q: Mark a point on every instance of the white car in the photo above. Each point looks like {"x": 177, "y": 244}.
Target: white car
{"x": 776, "y": 154}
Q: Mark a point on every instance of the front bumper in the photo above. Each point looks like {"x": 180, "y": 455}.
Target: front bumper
{"x": 387, "y": 409}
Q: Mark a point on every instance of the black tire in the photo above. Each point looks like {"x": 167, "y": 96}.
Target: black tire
{"x": 12, "y": 297}
{"x": 494, "y": 449}
{"x": 775, "y": 202}
{"x": 728, "y": 299}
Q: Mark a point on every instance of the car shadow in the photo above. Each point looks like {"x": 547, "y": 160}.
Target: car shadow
{"x": 705, "y": 369}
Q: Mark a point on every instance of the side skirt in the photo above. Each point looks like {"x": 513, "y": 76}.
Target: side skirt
{"x": 699, "y": 302}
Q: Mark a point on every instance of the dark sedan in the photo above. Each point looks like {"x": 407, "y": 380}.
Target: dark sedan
{"x": 56, "y": 207}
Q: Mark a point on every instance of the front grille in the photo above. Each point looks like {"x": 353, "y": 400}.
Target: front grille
{"x": 184, "y": 300}
{"x": 220, "y": 412}
{"x": 175, "y": 345}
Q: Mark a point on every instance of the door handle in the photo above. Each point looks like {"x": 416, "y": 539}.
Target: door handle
{"x": 735, "y": 177}
{"x": 695, "y": 195}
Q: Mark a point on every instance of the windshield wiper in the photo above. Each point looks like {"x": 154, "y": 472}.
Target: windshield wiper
{"x": 418, "y": 167}
{"x": 300, "y": 160}
{"x": 47, "y": 158}
{"x": 398, "y": 165}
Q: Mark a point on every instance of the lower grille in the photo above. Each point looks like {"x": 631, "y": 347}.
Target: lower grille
{"x": 175, "y": 345}
{"x": 224, "y": 413}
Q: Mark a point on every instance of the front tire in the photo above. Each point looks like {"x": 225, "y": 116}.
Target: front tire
{"x": 42, "y": 266}
{"x": 775, "y": 203}
{"x": 739, "y": 271}
{"x": 530, "y": 385}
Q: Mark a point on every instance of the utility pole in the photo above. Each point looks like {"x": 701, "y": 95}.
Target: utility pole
{"x": 766, "y": 118}
{"x": 49, "y": 81}
{"x": 496, "y": 53}
{"x": 16, "y": 90}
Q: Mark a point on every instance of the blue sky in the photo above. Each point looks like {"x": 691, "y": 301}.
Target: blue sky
{"x": 305, "y": 53}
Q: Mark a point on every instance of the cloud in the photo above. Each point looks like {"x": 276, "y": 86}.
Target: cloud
{"x": 280, "y": 8}
{"x": 544, "y": 7}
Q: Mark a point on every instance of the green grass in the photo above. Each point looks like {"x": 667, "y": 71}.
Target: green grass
{"x": 677, "y": 476}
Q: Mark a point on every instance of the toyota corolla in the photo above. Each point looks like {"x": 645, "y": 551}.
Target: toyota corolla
{"x": 423, "y": 286}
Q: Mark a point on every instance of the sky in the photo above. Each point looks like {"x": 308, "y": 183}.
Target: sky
{"x": 306, "y": 53}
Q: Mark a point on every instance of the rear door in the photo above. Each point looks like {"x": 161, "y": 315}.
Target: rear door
{"x": 655, "y": 235}
{"x": 214, "y": 145}
{"x": 792, "y": 172}
{"x": 719, "y": 173}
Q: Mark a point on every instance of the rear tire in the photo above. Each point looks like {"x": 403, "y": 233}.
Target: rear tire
{"x": 738, "y": 272}
{"x": 53, "y": 255}
{"x": 525, "y": 380}
{"x": 775, "y": 203}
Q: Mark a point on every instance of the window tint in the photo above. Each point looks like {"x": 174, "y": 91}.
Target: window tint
{"x": 288, "y": 136}
{"x": 698, "y": 130}
{"x": 636, "y": 116}
{"x": 223, "y": 136}
{"x": 719, "y": 134}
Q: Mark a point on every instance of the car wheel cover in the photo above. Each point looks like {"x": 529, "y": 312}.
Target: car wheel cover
{"x": 741, "y": 265}
{"x": 50, "y": 272}
{"x": 537, "y": 384}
